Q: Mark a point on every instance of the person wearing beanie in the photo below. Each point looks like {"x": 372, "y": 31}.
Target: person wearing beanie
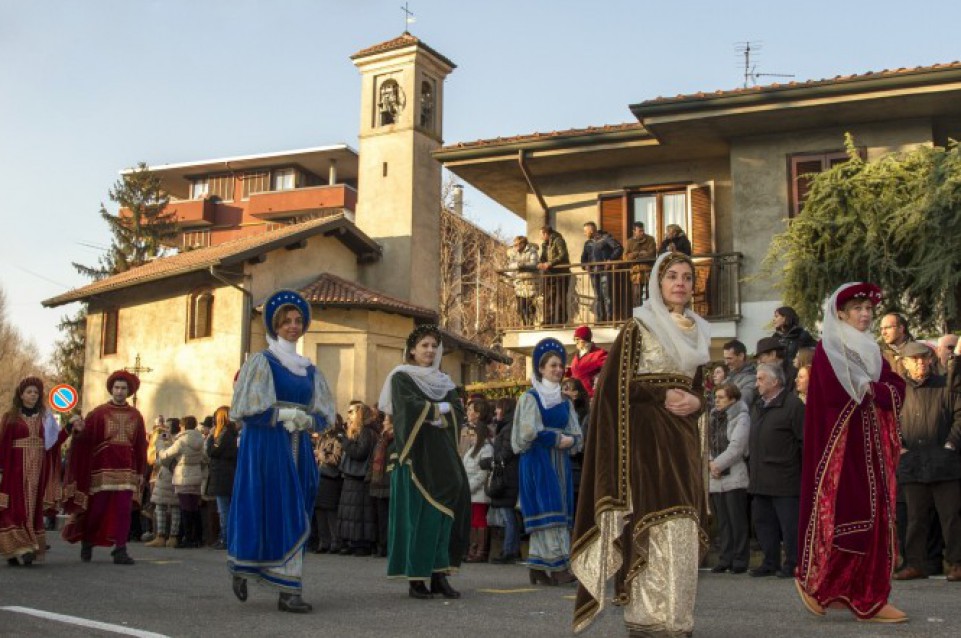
{"x": 588, "y": 361}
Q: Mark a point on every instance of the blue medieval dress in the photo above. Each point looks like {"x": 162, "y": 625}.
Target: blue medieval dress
{"x": 546, "y": 482}
{"x": 276, "y": 478}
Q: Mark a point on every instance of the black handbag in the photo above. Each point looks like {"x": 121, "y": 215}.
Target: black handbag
{"x": 496, "y": 484}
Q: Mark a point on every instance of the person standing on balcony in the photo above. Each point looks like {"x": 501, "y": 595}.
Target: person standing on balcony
{"x": 522, "y": 260}
{"x": 676, "y": 241}
{"x": 642, "y": 511}
{"x": 789, "y": 331}
{"x": 555, "y": 265}
{"x": 641, "y": 247}
{"x": 587, "y": 361}
{"x": 601, "y": 247}
{"x": 851, "y": 449}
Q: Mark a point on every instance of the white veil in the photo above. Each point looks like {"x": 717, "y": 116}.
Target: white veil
{"x": 689, "y": 349}
{"x": 431, "y": 381}
{"x": 854, "y": 356}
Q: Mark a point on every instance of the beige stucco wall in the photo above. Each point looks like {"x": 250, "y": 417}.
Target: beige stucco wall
{"x": 759, "y": 172}
{"x": 297, "y": 268}
{"x": 187, "y": 376}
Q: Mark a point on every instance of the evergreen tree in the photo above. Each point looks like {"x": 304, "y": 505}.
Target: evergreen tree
{"x": 139, "y": 232}
{"x": 895, "y": 222}
{"x": 141, "y": 227}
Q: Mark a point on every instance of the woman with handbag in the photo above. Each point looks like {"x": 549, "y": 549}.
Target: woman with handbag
{"x": 502, "y": 484}
{"x": 477, "y": 478}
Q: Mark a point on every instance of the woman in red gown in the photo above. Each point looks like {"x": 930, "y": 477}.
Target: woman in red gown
{"x": 851, "y": 449}
{"x": 30, "y": 440}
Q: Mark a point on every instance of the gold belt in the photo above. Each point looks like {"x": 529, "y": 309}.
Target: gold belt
{"x": 670, "y": 380}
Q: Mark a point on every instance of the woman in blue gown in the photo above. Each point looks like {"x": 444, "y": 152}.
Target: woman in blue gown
{"x": 546, "y": 433}
{"x": 279, "y": 398}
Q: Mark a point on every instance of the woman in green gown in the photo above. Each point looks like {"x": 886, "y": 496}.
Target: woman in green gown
{"x": 429, "y": 493}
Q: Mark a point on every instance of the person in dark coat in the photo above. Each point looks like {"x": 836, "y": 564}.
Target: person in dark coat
{"x": 675, "y": 241}
{"x": 221, "y": 447}
{"x": 328, "y": 453}
{"x": 358, "y": 524}
{"x": 774, "y": 470}
{"x": 503, "y": 504}
{"x": 788, "y": 330}
{"x": 378, "y": 481}
{"x": 929, "y": 469}
{"x": 579, "y": 396}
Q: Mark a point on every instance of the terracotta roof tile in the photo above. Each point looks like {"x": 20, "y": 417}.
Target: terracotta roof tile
{"x": 535, "y": 137}
{"x": 203, "y": 258}
{"x": 331, "y": 290}
{"x": 777, "y": 86}
{"x": 400, "y": 42}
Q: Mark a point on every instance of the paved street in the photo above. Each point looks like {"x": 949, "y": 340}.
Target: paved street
{"x": 186, "y": 593}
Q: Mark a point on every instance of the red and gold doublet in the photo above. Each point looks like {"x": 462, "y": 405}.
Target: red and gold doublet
{"x": 848, "y": 489}
{"x": 27, "y": 468}
{"x": 109, "y": 455}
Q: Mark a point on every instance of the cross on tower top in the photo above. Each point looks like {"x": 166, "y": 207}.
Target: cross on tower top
{"x": 408, "y": 16}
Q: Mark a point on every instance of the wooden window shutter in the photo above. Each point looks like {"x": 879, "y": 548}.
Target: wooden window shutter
{"x": 801, "y": 180}
{"x": 613, "y": 216}
{"x": 702, "y": 220}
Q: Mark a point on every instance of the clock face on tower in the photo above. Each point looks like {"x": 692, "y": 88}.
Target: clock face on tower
{"x": 390, "y": 102}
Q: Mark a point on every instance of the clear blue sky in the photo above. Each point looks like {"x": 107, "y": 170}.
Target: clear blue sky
{"x": 88, "y": 88}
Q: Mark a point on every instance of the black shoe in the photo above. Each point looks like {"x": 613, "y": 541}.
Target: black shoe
{"x": 121, "y": 557}
{"x": 417, "y": 589}
{"x": 439, "y": 585}
{"x": 239, "y": 585}
{"x": 382, "y": 552}
{"x": 13, "y": 562}
{"x": 28, "y": 559}
{"x": 86, "y": 552}
{"x": 761, "y": 572}
{"x": 321, "y": 550}
{"x": 785, "y": 573}
{"x": 505, "y": 559}
{"x": 293, "y": 603}
{"x": 346, "y": 551}
{"x": 738, "y": 570}
{"x": 218, "y": 545}
{"x": 362, "y": 551}
{"x": 720, "y": 569}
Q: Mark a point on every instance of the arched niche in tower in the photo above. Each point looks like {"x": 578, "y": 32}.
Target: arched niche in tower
{"x": 390, "y": 102}
{"x": 428, "y": 103}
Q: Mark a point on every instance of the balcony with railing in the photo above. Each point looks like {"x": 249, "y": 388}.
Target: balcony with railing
{"x": 294, "y": 202}
{"x": 528, "y": 301}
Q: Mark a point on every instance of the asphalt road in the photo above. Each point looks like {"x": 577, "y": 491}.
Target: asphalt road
{"x": 172, "y": 592}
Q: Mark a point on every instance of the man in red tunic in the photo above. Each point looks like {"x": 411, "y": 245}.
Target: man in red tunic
{"x": 30, "y": 440}
{"x": 851, "y": 449}
{"x": 587, "y": 361}
{"x": 105, "y": 471}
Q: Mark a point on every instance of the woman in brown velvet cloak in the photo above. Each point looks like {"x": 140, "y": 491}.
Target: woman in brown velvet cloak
{"x": 642, "y": 504}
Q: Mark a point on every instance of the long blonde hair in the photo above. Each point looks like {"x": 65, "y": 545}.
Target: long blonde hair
{"x": 221, "y": 420}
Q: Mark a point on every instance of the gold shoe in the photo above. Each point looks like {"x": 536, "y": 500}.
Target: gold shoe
{"x": 809, "y": 603}
{"x": 888, "y": 614}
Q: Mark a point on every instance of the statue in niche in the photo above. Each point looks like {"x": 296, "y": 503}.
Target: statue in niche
{"x": 391, "y": 102}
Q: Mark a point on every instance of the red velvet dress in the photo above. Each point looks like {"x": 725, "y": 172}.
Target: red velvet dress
{"x": 848, "y": 489}
{"x": 105, "y": 471}
{"x": 585, "y": 369}
{"x": 26, "y": 466}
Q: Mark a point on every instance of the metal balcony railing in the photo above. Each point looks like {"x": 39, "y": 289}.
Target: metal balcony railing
{"x": 529, "y": 299}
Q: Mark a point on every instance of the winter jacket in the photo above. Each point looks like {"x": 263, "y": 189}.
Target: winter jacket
{"x": 162, "y": 490}
{"x": 554, "y": 253}
{"x": 476, "y": 475}
{"x": 601, "y": 247}
{"x": 222, "y": 452}
{"x": 777, "y": 431}
{"x": 355, "y": 461}
{"x": 746, "y": 381}
{"x": 930, "y": 417}
{"x": 793, "y": 340}
{"x": 731, "y": 460}
{"x": 679, "y": 244}
{"x": 504, "y": 453}
{"x": 188, "y": 451}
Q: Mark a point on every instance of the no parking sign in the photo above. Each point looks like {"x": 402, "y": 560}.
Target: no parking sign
{"x": 63, "y": 398}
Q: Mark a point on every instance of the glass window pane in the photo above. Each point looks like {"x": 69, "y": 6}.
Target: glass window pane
{"x": 675, "y": 210}
{"x": 645, "y": 211}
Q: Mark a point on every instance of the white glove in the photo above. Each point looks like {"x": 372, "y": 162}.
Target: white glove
{"x": 444, "y": 407}
{"x": 287, "y": 414}
{"x": 303, "y": 419}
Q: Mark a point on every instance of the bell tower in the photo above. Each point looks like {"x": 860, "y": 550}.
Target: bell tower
{"x": 399, "y": 181}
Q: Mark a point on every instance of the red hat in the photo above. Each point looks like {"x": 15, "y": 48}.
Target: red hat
{"x": 583, "y": 332}
{"x": 30, "y": 381}
{"x": 133, "y": 382}
{"x": 860, "y": 290}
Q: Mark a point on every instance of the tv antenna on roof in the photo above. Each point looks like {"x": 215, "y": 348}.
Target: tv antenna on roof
{"x": 750, "y": 67}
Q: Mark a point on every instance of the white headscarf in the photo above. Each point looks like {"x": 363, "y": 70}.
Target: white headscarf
{"x": 286, "y": 353}
{"x": 431, "y": 381}
{"x": 854, "y": 356}
{"x": 689, "y": 349}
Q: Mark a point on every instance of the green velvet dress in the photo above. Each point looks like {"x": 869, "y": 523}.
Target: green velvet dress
{"x": 429, "y": 493}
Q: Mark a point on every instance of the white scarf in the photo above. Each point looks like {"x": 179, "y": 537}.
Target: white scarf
{"x": 688, "y": 348}
{"x": 854, "y": 356}
{"x": 286, "y": 353}
{"x": 549, "y": 392}
{"x": 431, "y": 381}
